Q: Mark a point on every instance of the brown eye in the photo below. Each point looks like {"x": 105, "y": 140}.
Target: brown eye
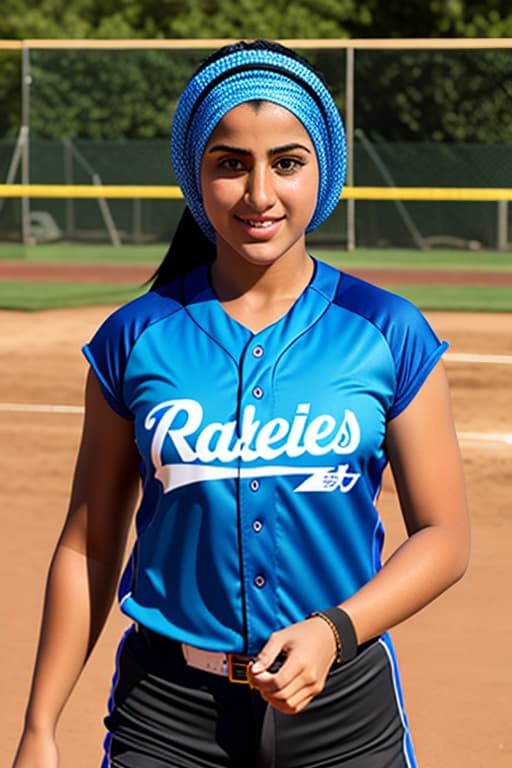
{"x": 288, "y": 164}
{"x": 232, "y": 164}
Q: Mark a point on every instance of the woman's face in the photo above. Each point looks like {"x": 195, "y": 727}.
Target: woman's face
{"x": 259, "y": 181}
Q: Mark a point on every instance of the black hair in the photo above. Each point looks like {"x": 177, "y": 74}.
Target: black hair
{"x": 189, "y": 247}
{"x": 258, "y": 45}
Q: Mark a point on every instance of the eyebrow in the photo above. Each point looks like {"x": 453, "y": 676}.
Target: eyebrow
{"x": 272, "y": 151}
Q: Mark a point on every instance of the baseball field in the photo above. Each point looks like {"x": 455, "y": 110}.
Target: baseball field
{"x": 455, "y": 655}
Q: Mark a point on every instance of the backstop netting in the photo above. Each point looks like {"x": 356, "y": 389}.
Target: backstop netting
{"x": 422, "y": 117}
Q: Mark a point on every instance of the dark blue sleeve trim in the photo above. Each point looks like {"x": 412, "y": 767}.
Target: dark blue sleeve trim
{"x": 108, "y": 393}
{"x": 421, "y": 376}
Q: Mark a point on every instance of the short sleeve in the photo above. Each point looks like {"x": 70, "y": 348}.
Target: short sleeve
{"x": 108, "y": 353}
{"x": 415, "y": 348}
{"x": 412, "y": 343}
{"x": 109, "y": 350}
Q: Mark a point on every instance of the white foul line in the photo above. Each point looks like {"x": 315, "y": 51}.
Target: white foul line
{"x": 466, "y": 357}
{"x": 487, "y": 437}
{"x": 33, "y": 408}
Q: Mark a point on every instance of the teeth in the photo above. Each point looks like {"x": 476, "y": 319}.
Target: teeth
{"x": 259, "y": 224}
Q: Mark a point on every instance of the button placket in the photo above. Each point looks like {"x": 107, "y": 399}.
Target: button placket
{"x": 256, "y": 496}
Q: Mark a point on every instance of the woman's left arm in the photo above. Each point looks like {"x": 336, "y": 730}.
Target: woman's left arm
{"x": 427, "y": 467}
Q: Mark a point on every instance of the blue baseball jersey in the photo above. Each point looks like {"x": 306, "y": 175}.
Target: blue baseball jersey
{"x": 262, "y": 454}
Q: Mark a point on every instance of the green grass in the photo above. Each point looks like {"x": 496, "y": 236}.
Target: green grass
{"x": 25, "y": 295}
{"x": 390, "y": 259}
{"x": 84, "y": 254}
{"x": 456, "y": 298}
{"x": 33, "y": 296}
{"x": 152, "y": 254}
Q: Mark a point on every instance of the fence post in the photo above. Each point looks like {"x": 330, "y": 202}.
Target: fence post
{"x": 137, "y": 220}
{"x": 502, "y": 240}
{"x": 349, "y": 127}
{"x": 69, "y": 179}
{"x": 26, "y": 81}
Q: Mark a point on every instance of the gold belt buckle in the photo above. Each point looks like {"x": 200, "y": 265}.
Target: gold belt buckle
{"x": 237, "y": 668}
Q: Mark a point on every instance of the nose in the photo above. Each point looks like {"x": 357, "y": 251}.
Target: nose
{"x": 259, "y": 193}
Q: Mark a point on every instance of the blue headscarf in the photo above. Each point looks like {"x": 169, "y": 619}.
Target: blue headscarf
{"x": 250, "y": 74}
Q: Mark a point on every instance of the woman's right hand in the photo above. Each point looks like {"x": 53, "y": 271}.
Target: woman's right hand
{"x": 36, "y": 750}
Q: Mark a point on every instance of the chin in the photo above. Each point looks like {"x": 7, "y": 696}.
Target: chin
{"x": 258, "y": 254}
{"x": 266, "y": 254}
{"x": 261, "y": 260}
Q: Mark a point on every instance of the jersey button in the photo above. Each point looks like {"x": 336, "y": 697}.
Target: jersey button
{"x": 254, "y": 485}
{"x": 258, "y": 393}
{"x": 258, "y": 351}
{"x": 259, "y": 581}
{"x": 257, "y": 526}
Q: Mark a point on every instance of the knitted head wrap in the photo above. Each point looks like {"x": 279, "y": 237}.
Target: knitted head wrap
{"x": 250, "y": 74}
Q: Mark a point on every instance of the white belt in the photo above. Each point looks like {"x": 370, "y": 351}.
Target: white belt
{"x": 208, "y": 661}
{"x": 230, "y": 665}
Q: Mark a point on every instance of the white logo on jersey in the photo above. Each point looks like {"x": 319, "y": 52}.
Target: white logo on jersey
{"x": 178, "y": 420}
{"x": 330, "y": 478}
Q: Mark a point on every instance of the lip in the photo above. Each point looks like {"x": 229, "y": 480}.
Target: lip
{"x": 260, "y": 227}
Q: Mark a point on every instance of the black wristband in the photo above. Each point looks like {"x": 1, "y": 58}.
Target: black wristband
{"x": 346, "y": 632}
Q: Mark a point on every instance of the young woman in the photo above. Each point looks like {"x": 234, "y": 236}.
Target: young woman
{"x": 259, "y": 394}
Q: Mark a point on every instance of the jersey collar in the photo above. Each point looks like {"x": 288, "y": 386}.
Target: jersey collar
{"x": 205, "y": 309}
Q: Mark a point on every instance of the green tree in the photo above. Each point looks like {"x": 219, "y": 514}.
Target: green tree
{"x": 105, "y": 94}
{"x": 440, "y": 96}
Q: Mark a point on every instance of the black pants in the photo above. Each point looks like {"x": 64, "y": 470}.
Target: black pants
{"x": 168, "y": 714}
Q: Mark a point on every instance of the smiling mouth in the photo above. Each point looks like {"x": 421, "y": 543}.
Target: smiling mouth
{"x": 259, "y": 223}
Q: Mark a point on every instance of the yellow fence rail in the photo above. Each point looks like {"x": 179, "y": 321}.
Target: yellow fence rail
{"x": 477, "y": 194}
{"x": 430, "y": 43}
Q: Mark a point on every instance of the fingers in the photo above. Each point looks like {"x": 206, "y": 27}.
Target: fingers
{"x": 268, "y": 655}
{"x": 291, "y": 688}
{"x": 293, "y": 697}
{"x": 309, "y": 650}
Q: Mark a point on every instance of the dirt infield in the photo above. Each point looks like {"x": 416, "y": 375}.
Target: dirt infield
{"x": 455, "y": 655}
{"x": 138, "y": 274}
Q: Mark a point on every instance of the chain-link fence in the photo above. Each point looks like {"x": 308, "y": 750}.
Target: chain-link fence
{"x": 430, "y": 117}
